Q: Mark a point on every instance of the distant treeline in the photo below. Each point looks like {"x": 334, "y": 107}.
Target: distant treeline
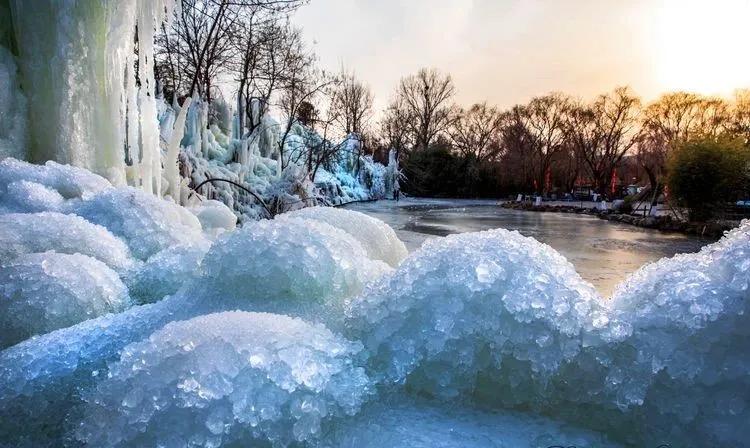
{"x": 550, "y": 145}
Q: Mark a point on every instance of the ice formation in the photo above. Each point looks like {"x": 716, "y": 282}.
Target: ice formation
{"x": 676, "y": 367}
{"x": 406, "y": 424}
{"x": 146, "y": 223}
{"x": 224, "y": 378}
{"x": 378, "y": 239}
{"x": 68, "y": 181}
{"x": 468, "y": 306}
{"x": 214, "y": 216}
{"x": 74, "y": 56}
{"x": 165, "y": 272}
{"x": 42, "y": 292}
{"x": 13, "y": 119}
{"x": 41, "y": 378}
{"x": 492, "y": 319}
{"x": 290, "y": 265}
{"x": 24, "y": 233}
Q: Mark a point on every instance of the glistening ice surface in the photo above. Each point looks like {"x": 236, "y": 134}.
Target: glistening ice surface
{"x": 496, "y": 333}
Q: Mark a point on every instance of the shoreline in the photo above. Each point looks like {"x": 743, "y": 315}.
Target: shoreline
{"x": 666, "y": 223}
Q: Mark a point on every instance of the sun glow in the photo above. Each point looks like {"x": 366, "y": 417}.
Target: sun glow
{"x": 702, "y": 45}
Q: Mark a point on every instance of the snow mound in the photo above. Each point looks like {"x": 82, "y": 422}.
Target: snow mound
{"x": 377, "y": 237}
{"x": 214, "y": 216}
{"x": 69, "y": 181}
{"x": 677, "y": 370}
{"x": 224, "y": 378}
{"x": 288, "y": 265}
{"x": 424, "y": 425}
{"x": 495, "y": 304}
{"x": 47, "y": 291}
{"x": 41, "y": 378}
{"x": 166, "y": 271}
{"x": 22, "y": 233}
{"x": 29, "y": 197}
{"x": 146, "y": 223}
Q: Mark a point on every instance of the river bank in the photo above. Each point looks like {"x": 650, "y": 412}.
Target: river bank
{"x": 663, "y": 223}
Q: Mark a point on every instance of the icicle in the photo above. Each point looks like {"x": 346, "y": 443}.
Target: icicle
{"x": 133, "y": 126}
{"x": 198, "y": 126}
{"x": 170, "y": 165}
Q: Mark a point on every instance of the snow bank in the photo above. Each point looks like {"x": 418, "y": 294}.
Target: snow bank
{"x": 378, "y": 239}
{"x": 424, "y": 425}
{"x": 224, "y": 378}
{"x": 24, "y": 233}
{"x": 290, "y": 264}
{"x": 146, "y": 223}
{"x": 47, "y": 291}
{"x": 491, "y": 303}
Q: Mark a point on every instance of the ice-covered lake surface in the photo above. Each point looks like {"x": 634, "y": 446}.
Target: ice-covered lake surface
{"x": 603, "y": 252}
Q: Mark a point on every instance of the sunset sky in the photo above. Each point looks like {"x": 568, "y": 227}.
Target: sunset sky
{"x": 506, "y": 51}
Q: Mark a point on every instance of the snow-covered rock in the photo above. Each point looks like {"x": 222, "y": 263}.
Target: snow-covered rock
{"x": 214, "y": 216}
{"x": 69, "y": 181}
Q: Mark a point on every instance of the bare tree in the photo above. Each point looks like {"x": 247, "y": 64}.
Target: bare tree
{"x": 423, "y": 101}
{"x": 270, "y": 53}
{"x": 352, "y": 104}
{"x": 544, "y": 118}
{"x": 475, "y": 132}
{"x": 603, "y": 132}
{"x": 395, "y": 128}
{"x": 739, "y": 121}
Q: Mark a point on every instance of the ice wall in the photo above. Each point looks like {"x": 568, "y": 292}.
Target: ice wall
{"x": 12, "y": 109}
{"x": 73, "y": 57}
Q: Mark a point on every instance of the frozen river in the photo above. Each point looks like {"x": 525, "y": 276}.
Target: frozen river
{"x": 603, "y": 252}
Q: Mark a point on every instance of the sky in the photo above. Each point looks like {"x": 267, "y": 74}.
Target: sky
{"x": 507, "y": 51}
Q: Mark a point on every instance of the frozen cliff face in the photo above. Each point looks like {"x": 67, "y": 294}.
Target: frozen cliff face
{"x": 146, "y": 223}
{"x": 24, "y": 233}
{"x": 77, "y": 58}
{"x": 376, "y": 237}
{"x": 470, "y": 306}
{"x": 294, "y": 265}
{"x": 46, "y": 291}
{"x": 225, "y": 378}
